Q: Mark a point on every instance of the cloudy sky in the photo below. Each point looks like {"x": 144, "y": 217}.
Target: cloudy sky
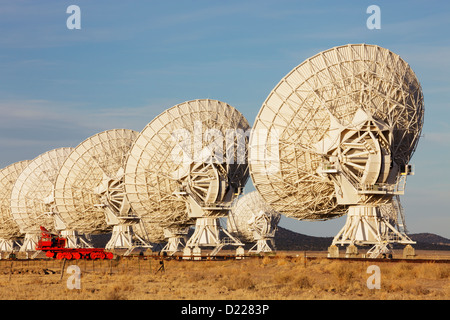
{"x": 131, "y": 60}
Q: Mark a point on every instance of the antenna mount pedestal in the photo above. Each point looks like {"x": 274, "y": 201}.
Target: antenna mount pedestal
{"x": 366, "y": 225}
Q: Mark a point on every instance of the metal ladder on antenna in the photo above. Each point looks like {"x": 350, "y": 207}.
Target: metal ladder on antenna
{"x": 400, "y": 214}
{"x": 217, "y": 249}
{"x": 376, "y": 250}
{"x": 225, "y": 241}
{"x": 35, "y": 254}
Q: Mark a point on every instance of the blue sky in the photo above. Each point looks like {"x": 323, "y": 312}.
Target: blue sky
{"x": 131, "y": 60}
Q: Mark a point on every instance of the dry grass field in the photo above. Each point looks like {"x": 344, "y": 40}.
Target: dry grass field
{"x": 284, "y": 277}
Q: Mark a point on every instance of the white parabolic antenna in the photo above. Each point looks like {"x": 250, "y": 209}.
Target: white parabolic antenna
{"x": 251, "y": 219}
{"x": 189, "y": 163}
{"x": 9, "y": 229}
{"x": 89, "y": 192}
{"x": 339, "y": 130}
{"x": 28, "y": 196}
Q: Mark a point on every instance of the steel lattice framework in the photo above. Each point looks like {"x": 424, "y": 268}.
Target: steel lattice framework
{"x": 334, "y": 90}
{"x": 8, "y": 176}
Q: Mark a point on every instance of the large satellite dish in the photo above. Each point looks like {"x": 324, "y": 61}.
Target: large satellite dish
{"x": 336, "y": 135}
{"x": 28, "y": 196}
{"x": 9, "y": 229}
{"x": 251, "y": 219}
{"x": 188, "y": 164}
{"x": 89, "y": 194}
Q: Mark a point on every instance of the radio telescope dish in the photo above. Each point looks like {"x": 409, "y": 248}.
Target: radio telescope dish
{"x": 187, "y": 165}
{"x": 89, "y": 195}
{"x": 339, "y": 130}
{"x": 251, "y": 219}
{"x": 9, "y": 230}
{"x": 34, "y": 184}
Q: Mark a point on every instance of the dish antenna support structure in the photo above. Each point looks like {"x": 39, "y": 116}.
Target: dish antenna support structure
{"x": 9, "y": 230}
{"x": 251, "y": 219}
{"x": 187, "y": 166}
{"x": 177, "y": 237}
{"x": 29, "y": 206}
{"x": 346, "y": 123}
{"x": 89, "y": 193}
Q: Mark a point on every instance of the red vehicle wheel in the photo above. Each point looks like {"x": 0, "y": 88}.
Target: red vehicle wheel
{"x": 50, "y": 254}
{"x": 93, "y": 255}
{"x": 68, "y": 256}
{"x": 109, "y": 255}
{"x": 76, "y": 255}
{"x": 59, "y": 256}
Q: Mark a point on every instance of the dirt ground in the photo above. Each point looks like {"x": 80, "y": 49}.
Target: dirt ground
{"x": 287, "y": 276}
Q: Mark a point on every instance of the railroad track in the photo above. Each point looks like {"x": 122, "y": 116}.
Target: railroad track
{"x": 393, "y": 260}
{"x": 233, "y": 257}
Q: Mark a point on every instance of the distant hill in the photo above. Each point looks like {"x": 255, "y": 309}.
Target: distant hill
{"x": 289, "y": 240}
{"x": 430, "y": 238}
{"x": 430, "y": 241}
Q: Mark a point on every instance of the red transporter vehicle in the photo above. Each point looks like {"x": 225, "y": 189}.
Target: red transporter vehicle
{"x": 55, "y": 247}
